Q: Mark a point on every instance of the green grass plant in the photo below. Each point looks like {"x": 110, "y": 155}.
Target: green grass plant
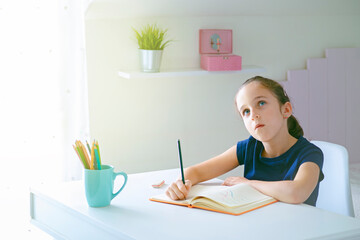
{"x": 151, "y": 37}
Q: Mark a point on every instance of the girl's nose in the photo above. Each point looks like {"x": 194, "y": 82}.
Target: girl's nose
{"x": 255, "y": 116}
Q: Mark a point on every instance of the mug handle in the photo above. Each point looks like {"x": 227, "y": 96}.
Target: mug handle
{"x": 125, "y": 180}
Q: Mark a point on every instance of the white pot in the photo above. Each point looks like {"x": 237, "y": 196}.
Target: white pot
{"x": 150, "y": 60}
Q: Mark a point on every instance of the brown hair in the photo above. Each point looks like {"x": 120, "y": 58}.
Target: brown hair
{"x": 278, "y": 91}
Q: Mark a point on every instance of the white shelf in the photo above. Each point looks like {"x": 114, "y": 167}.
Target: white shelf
{"x": 188, "y": 72}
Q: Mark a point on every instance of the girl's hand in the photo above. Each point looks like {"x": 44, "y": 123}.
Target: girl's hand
{"x": 230, "y": 181}
{"x": 178, "y": 191}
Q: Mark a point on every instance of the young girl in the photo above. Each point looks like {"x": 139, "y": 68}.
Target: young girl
{"x": 278, "y": 161}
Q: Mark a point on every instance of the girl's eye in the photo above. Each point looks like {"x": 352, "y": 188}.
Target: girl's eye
{"x": 261, "y": 103}
{"x": 246, "y": 112}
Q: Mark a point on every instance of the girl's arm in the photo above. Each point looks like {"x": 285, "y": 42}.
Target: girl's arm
{"x": 290, "y": 191}
{"x": 204, "y": 171}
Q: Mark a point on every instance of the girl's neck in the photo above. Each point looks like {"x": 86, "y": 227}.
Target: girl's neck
{"x": 278, "y": 146}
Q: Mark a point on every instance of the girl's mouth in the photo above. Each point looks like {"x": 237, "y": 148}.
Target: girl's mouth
{"x": 259, "y": 126}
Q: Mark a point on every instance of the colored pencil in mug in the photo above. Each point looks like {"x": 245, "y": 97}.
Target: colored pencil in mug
{"x": 98, "y": 148}
{"x": 81, "y": 157}
{"x": 97, "y": 158}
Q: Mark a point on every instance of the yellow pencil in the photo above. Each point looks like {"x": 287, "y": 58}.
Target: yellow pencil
{"x": 98, "y": 148}
{"x": 92, "y": 163}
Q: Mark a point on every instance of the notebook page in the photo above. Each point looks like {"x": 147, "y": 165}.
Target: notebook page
{"x": 240, "y": 194}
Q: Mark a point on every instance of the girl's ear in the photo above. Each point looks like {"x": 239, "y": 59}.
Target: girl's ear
{"x": 286, "y": 110}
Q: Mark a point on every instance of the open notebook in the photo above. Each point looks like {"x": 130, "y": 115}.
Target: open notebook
{"x": 235, "y": 200}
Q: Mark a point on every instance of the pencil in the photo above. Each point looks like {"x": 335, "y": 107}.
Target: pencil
{"x": 97, "y": 157}
{"x": 88, "y": 147}
{"x": 81, "y": 157}
{"x": 181, "y": 163}
{"x": 93, "y": 161}
{"x": 98, "y": 148}
{"x": 81, "y": 160}
{"x": 83, "y": 150}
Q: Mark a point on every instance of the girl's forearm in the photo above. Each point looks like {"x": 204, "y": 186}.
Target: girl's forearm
{"x": 194, "y": 175}
{"x": 213, "y": 167}
{"x": 292, "y": 191}
{"x": 284, "y": 191}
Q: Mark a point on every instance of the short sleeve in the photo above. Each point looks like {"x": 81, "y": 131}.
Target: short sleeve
{"x": 241, "y": 150}
{"x": 315, "y": 155}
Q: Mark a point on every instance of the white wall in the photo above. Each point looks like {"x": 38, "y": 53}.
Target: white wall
{"x": 138, "y": 121}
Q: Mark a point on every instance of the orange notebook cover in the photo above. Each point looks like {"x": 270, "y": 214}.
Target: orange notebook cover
{"x": 234, "y": 200}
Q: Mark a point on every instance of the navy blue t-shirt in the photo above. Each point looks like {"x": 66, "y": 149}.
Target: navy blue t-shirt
{"x": 283, "y": 167}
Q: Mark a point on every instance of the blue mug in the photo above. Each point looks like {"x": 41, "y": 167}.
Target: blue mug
{"x": 99, "y": 185}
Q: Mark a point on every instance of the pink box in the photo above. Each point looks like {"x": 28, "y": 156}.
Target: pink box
{"x": 215, "y": 47}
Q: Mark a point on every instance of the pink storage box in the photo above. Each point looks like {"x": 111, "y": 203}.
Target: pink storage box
{"x": 215, "y": 47}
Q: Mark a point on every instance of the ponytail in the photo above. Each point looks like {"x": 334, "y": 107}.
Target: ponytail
{"x": 294, "y": 127}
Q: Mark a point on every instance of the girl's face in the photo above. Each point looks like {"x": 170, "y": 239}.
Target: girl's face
{"x": 261, "y": 112}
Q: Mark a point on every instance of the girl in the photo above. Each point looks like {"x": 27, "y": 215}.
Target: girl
{"x": 278, "y": 161}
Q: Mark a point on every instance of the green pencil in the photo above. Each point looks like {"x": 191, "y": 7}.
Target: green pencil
{"x": 88, "y": 146}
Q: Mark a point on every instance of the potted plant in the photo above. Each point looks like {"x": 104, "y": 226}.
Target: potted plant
{"x": 152, "y": 41}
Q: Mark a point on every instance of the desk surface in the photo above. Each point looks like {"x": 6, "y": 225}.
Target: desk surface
{"x": 62, "y": 211}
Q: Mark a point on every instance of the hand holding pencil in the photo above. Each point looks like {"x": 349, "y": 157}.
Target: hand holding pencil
{"x": 180, "y": 189}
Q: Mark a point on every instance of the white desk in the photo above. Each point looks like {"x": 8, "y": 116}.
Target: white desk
{"x": 62, "y": 211}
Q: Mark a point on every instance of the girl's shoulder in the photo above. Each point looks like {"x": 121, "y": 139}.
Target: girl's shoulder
{"x": 245, "y": 147}
{"x": 311, "y": 153}
{"x": 307, "y": 147}
{"x": 244, "y": 144}
{"x": 306, "y": 151}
